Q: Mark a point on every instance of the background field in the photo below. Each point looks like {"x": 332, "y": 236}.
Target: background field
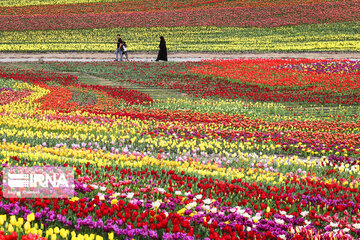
{"x": 232, "y": 26}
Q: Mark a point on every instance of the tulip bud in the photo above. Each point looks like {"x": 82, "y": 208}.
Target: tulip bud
{"x": 53, "y": 237}
{"x": 13, "y": 220}
{"x": 27, "y": 226}
{"x": 30, "y": 217}
{"x": 10, "y": 228}
{"x": 111, "y": 235}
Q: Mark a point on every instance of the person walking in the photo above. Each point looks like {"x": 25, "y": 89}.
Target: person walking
{"x": 124, "y": 51}
{"x": 162, "y": 50}
{"x": 119, "y": 48}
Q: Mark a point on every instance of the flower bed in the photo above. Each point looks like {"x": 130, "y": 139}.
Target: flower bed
{"x": 216, "y": 25}
{"x": 182, "y": 168}
{"x": 330, "y": 82}
{"x": 61, "y": 95}
{"x": 226, "y": 17}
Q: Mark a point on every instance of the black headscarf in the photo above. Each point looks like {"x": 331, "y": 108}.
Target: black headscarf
{"x": 162, "y": 43}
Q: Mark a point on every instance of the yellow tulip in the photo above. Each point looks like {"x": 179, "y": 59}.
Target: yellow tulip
{"x": 30, "y": 217}
{"x": 181, "y": 211}
{"x": 13, "y": 220}
{"x": 10, "y": 228}
{"x": 99, "y": 237}
{"x": 111, "y": 236}
{"x": 27, "y": 226}
{"x": 63, "y": 233}
{"x": 56, "y": 230}
{"x": 50, "y": 231}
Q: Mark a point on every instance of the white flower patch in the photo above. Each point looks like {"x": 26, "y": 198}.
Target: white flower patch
{"x": 356, "y": 225}
{"x": 130, "y": 195}
{"x": 304, "y": 214}
{"x": 156, "y": 204}
{"x": 199, "y": 196}
{"x": 279, "y": 221}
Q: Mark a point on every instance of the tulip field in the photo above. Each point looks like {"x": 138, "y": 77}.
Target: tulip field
{"x": 196, "y": 25}
{"x": 217, "y": 149}
{"x": 207, "y": 150}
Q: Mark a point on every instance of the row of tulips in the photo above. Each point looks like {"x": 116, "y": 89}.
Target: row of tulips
{"x": 267, "y": 111}
{"x": 183, "y": 141}
{"x": 31, "y": 7}
{"x": 15, "y": 227}
{"x": 14, "y": 236}
{"x": 337, "y": 36}
{"x": 226, "y": 17}
{"x": 195, "y": 135}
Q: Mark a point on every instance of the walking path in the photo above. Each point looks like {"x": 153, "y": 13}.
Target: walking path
{"x": 172, "y": 56}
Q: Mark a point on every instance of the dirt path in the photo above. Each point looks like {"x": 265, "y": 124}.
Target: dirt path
{"x": 173, "y": 56}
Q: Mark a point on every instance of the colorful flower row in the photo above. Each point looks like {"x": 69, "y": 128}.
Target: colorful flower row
{"x": 341, "y": 67}
{"x": 16, "y": 227}
{"x": 226, "y": 17}
{"x": 18, "y": 7}
{"x": 311, "y": 37}
{"x": 163, "y": 133}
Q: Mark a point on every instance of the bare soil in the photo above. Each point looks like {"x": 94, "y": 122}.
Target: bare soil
{"x": 181, "y": 55}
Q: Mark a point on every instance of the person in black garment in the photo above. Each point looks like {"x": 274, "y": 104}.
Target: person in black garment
{"x": 162, "y": 50}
